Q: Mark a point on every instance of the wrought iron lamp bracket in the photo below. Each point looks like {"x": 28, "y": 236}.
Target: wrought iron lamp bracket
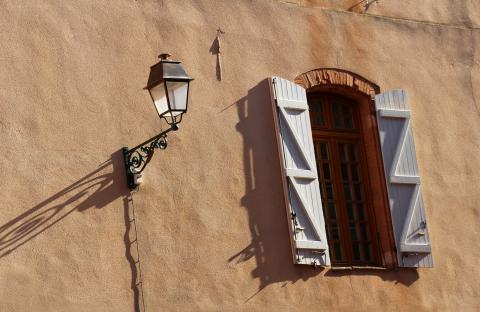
{"x": 137, "y": 158}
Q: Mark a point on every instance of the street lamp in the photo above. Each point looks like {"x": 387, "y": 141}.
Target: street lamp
{"x": 168, "y": 86}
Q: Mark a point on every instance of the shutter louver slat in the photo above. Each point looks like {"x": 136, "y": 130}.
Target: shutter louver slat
{"x": 307, "y": 227}
{"x": 291, "y": 104}
{"x": 403, "y": 180}
{"x": 300, "y": 173}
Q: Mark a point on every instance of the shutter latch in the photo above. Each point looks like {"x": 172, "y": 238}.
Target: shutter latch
{"x": 423, "y": 226}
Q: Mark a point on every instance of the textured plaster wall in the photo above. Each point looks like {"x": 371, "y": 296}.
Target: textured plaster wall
{"x": 212, "y": 230}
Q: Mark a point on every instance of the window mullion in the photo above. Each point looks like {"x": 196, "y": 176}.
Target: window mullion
{"x": 339, "y": 196}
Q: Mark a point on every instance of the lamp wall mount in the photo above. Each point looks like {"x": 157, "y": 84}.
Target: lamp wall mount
{"x": 137, "y": 158}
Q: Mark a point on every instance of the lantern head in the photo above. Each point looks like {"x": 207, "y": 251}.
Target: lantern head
{"x": 168, "y": 85}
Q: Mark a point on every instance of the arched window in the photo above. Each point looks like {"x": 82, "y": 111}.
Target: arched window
{"x": 350, "y": 177}
{"x": 347, "y": 101}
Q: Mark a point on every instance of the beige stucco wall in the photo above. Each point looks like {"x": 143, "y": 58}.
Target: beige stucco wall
{"x": 212, "y": 229}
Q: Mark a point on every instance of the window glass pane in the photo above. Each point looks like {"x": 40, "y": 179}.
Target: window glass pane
{"x": 360, "y": 212}
{"x": 350, "y": 211}
{"x": 341, "y": 151}
{"x": 358, "y": 191}
{"x": 344, "y": 172}
{"x": 338, "y": 252}
{"x": 367, "y": 251}
{"x": 356, "y": 251}
{"x": 332, "y": 210}
{"x": 326, "y": 171}
{"x": 324, "y": 151}
{"x": 348, "y": 122}
{"x": 336, "y": 116}
{"x": 363, "y": 231}
{"x": 329, "y": 188}
{"x": 347, "y": 191}
{"x": 353, "y": 232}
{"x": 352, "y": 152}
{"x": 347, "y": 116}
{"x": 316, "y": 113}
{"x": 335, "y": 233}
{"x": 342, "y": 113}
{"x": 354, "y": 172}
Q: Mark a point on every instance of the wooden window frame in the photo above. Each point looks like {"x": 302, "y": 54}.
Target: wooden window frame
{"x": 375, "y": 170}
{"x": 332, "y": 136}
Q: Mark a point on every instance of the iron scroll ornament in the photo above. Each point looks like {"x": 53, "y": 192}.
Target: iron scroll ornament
{"x": 137, "y": 158}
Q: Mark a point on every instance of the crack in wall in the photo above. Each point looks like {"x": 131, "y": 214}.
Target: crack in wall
{"x": 472, "y": 85}
{"x": 383, "y": 17}
{"x": 133, "y": 257}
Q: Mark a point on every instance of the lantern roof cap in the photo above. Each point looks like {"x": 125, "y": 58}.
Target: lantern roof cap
{"x": 166, "y": 69}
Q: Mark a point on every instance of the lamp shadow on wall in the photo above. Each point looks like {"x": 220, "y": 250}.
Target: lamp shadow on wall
{"x": 263, "y": 200}
{"x": 95, "y": 190}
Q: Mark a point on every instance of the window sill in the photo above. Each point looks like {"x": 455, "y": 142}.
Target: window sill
{"x": 351, "y": 268}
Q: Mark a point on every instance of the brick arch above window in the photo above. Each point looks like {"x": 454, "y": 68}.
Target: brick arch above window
{"x": 331, "y": 77}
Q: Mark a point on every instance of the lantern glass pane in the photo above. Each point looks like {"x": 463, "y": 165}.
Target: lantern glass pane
{"x": 159, "y": 98}
{"x": 177, "y": 95}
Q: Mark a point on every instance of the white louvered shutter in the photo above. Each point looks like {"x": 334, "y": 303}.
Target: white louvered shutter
{"x": 403, "y": 180}
{"x": 304, "y": 205}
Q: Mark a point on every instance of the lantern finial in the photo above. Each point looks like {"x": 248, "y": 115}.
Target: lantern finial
{"x": 164, "y": 56}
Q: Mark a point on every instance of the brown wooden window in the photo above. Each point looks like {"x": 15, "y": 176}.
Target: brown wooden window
{"x": 345, "y": 184}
